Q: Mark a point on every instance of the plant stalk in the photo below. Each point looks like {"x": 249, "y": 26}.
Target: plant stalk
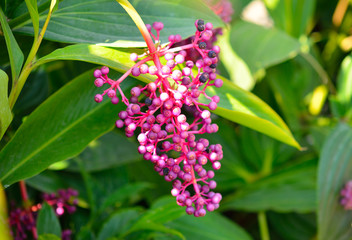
{"x": 263, "y": 225}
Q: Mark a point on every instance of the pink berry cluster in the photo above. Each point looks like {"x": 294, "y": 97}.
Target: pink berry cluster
{"x": 156, "y": 113}
{"x": 23, "y": 220}
{"x": 346, "y": 194}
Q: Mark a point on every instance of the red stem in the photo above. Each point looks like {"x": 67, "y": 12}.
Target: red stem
{"x": 26, "y": 202}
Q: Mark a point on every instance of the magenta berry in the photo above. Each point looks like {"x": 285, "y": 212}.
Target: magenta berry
{"x": 154, "y": 113}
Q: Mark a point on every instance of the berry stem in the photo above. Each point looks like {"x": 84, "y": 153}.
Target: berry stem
{"x": 26, "y": 202}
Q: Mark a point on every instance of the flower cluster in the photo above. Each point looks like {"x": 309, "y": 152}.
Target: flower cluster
{"x": 155, "y": 112}
{"x": 346, "y": 194}
{"x": 23, "y": 220}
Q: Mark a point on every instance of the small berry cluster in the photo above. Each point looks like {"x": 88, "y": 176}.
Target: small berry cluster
{"x": 167, "y": 137}
{"x": 346, "y": 194}
{"x": 23, "y": 220}
{"x": 64, "y": 199}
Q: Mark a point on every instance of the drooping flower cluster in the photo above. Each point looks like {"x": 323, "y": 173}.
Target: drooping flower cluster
{"x": 23, "y": 220}
{"x": 346, "y": 194}
{"x": 155, "y": 112}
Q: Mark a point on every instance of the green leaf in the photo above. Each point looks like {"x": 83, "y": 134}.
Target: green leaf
{"x": 162, "y": 211}
{"x": 236, "y": 104}
{"x": 47, "y": 221}
{"x": 262, "y": 47}
{"x": 48, "y": 237}
{"x": 107, "y": 23}
{"x": 5, "y": 111}
{"x": 335, "y": 168}
{"x": 292, "y": 81}
{"x": 15, "y": 53}
{"x": 292, "y": 16}
{"x": 123, "y": 193}
{"x": 118, "y": 223}
{"x": 47, "y": 181}
{"x": 212, "y": 226}
{"x": 33, "y": 11}
{"x": 245, "y": 108}
{"x": 71, "y": 118}
{"x": 234, "y": 65}
{"x": 106, "y": 152}
{"x": 342, "y": 102}
{"x": 291, "y": 189}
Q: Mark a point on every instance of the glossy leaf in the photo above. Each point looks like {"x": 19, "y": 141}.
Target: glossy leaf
{"x": 71, "y": 118}
{"x": 291, "y": 189}
{"x": 15, "y": 53}
{"x": 292, "y": 16}
{"x": 335, "y": 167}
{"x": 107, "y": 23}
{"x": 212, "y": 226}
{"x": 5, "y": 111}
{"x": 236, "y": 104}
{"x": 47, "y": 221}
{"x": 262, "y": 47}
{"x": 342, "y": 103}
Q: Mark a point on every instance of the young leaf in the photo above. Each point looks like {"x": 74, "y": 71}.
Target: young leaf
{"x": 15, "y": 53}
{"x": 81, "y": 21}
{"x": 71, "y": 119}
{"x": 47, "y": 221}
{"x": 5, "y": 111}
{"x": 33, "y": 11}
{"x": 335, "y": 168}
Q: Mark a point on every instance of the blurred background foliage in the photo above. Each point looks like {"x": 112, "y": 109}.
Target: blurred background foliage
{"x": 293, "y": 54}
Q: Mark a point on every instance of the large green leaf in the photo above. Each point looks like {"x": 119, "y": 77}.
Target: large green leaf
{"x": 15, "y": 53}
{"x": 236, "y": 104}
{"x": 262, "y": 47}
{"x": 335, "y": 169}
{"x": 292, "y": 16}
{"x": 107, "y": 23}
{"x": 291, "y": 189}
{"x": 212, "y": 226}
{"x": 70, "y": 118}
{"x": 5, "y": 111}
{"x": 47, "y": 221}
